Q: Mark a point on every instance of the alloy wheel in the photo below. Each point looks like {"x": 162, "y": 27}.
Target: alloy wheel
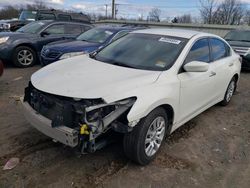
{"x": 25, "y": 57}
{"x": 230, "y": 91}
{"x": 154, "y": 136}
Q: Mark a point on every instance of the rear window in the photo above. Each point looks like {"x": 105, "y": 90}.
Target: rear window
{"x": 46, "y": 16}
{"x": 64, "y": 17}
{"x": 238, "y": 36}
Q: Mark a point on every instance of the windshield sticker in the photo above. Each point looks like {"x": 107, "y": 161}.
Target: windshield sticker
{"x": 168, "y": 40}
{"x": 160, "y": 64}
{"x": 40, "y": 23}
{"x": 108, "y": 32}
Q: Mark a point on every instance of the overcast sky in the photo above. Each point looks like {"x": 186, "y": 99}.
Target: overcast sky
{"x": 126, "y": 8}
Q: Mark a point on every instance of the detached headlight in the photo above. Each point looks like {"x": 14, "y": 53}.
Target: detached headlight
{"x": 6, "y": 26}
{"x": 102, "y": 111}
{"x": 3, "y": 39}
{"x": 71, "y": 54}
{"x": 247, "y": 53}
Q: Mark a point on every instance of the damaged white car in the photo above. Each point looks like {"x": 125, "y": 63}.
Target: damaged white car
{"x": 144, "y": 85}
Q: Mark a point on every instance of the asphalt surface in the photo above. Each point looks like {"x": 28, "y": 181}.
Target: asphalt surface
{"x": 212, "y": 150}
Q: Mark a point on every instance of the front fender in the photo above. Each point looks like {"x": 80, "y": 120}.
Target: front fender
{"x": 150, "y": 97}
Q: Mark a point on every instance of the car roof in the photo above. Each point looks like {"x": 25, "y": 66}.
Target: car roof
{"x": 63, "y": 22}
{"x": 116, "y": 28}
{"x": 170, "y": 32}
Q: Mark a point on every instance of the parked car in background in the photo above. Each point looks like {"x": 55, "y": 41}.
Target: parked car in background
{"x": 87, "y": 42}
{"x": 23, "y": 47}
{"x": 240, "y": 42}
{"x": 144, "y": 85}
{"x": 1, "y": 68}
{"x": 28, "y": 16}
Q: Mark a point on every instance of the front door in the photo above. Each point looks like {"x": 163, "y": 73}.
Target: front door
{"x": 197, "y": 88}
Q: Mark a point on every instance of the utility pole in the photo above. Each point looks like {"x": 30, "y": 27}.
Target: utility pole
{"x": 113, "y": 9}
{"x": 106, "y": 5}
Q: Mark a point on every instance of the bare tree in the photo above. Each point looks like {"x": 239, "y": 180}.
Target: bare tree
{"x": 37, "y": 5}
{"x": 207, "y": 10}
{"x": 9, "y": 12}
{"x": 229, "y": 12}
{"x": 154, "y": 15}
{"x": 247, "y": 17}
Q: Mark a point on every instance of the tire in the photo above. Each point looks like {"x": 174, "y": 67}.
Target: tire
{"x": 24, "y": 57}
{"x": 229, "y": 92}
{"x": 135, "y": 145}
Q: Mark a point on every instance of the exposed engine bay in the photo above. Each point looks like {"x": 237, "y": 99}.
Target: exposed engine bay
{"x": 90, "y": 118}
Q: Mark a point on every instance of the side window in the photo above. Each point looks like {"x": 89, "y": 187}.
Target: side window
{"x": 55, "y": 29}
{"x": 85, "y": 28}
{"x": 64, "y": 17}
{"x": 199, "y": 52}
{"x": 119, "y": 35}
{"x": 46, "y": 16}
{"x": 218, "y": 49}
{"x": 73, "y": 29}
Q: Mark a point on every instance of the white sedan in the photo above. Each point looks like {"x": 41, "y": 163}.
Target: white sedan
{"x": 144, "y": 85}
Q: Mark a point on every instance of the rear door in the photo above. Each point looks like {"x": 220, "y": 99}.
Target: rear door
{"x": 223, "y": 63}
{"x": 197, "y": 88}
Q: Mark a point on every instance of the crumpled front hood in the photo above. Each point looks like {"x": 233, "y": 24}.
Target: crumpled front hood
{"x": 83, "y": 77}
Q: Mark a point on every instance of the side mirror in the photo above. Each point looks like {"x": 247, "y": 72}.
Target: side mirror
{"x": 44, "y": 33}
{"x": 196, "y": 66}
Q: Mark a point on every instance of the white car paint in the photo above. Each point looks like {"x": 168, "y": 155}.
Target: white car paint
{"x": 188, "y": 93}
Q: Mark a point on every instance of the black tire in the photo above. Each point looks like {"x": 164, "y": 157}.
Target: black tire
{"x": 227, "y": 100}
{"x": 23, "y": 63}
{"x": 134, "y": 142}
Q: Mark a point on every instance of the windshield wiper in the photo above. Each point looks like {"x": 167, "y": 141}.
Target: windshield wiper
{"x": 123, "y": 65}
{"x": 237, "y": 40}
{"x": 244, "y": 40}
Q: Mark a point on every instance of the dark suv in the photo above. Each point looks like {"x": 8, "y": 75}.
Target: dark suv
{"x": 240, "y": 42}
{"x": 28, "y": 16}
{"x": 23, "y": 47}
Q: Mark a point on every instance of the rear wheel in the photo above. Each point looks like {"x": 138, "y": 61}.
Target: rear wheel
{"x": 24, "y": 56}
{"x": 229, "y": 93}
{"x": 142, "y": 144}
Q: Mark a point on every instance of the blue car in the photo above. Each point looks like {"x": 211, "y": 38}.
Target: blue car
{"x": 87, "y": 42}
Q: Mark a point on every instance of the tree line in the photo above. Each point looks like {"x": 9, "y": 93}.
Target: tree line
{"x": 225, "y": 12}
{"x": 10, "y": 12}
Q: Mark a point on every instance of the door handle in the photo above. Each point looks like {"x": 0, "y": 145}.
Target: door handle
{"x": 231, "y": 64}
{"x": 212, "y": 74}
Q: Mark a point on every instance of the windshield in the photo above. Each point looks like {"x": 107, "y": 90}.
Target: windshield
{"x": 33, "y": 27}
{"x": 238, "y": 36}
{"x": 28, "y": 15}
{"x": 96, "y": 35}
{"x": 143, "y": 51}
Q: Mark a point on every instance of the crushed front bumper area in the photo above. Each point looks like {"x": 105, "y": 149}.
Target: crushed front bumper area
{"x": 62, "y": 134}
{"x": 75, "y": 122}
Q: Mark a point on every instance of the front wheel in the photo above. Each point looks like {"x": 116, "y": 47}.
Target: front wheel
{"x": 24, "y": 56}
{"x": 229, "y": 93}
{"x": 142, "y": 144}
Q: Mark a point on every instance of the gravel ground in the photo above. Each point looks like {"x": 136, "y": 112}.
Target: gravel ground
{"x": 212, "y": 150}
